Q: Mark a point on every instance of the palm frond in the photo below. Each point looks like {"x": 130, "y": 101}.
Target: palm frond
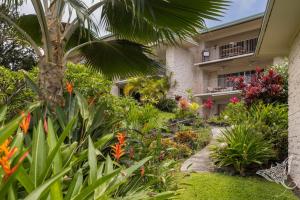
{"x": 119, "y": 58}
{"x": 30, "y": 24}
{"x": 157, "y": 20}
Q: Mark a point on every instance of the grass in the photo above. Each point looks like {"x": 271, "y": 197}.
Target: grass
{"x": 213, "y": 186}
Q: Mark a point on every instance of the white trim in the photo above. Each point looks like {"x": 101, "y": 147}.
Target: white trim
{"x": 215, "y": 94}
{"x": 223, "y": 59}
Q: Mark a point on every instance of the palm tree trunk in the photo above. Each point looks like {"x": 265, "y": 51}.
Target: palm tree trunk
{"x": 52, "y": 73}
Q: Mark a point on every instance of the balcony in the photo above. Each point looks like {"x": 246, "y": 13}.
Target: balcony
{"x": 229, "y": 51}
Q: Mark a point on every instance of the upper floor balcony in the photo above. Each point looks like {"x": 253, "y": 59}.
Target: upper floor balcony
{"x": 229, "y": 51}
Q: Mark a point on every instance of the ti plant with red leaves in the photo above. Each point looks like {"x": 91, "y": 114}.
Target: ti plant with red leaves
{"x": 266, "y": 86}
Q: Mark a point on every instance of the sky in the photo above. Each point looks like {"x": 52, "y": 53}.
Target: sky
{"x": 240, "y": 9}
{"x": 237, "y": 10}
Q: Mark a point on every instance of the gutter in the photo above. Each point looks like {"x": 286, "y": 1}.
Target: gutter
{"x": 264, "y": 26}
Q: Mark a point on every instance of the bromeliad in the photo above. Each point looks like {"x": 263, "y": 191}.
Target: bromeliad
{"x": 69, "y": 87}
{"x": 121, "y": 138}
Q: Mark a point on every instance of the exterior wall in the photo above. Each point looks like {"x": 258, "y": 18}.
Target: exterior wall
{"x": 180, "y": 64}
{"x": 294, "y": 110}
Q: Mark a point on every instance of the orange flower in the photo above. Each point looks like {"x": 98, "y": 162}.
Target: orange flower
{"x": 184, "y": 104}
{"x": 24, "y": 125}
{"x": 121, "y": 138}
{"x": 5, "y": 155}
{"x": 118, "y": 152}
{"x": 69, "y": 87}
{"x": 142, "y": 171}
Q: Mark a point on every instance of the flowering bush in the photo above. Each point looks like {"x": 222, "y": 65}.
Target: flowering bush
{"x": 265, "y": 86}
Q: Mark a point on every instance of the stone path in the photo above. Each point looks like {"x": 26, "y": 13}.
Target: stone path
{"x": 200, "y": 162}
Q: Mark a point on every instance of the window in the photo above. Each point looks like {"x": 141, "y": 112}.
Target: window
{"x": 223, "y": 81}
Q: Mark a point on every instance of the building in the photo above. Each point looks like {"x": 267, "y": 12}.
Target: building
{"x": 280, "y": 36}
{"x": 205, "y": 63}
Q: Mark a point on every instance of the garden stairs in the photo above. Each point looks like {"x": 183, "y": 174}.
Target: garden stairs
{"x": 200, "y": 162}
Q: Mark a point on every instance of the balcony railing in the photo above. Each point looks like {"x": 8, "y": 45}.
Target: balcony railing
{"x": 229, "y": 50}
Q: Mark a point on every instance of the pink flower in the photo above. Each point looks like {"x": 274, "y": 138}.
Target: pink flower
{"x": 234, "y": 100}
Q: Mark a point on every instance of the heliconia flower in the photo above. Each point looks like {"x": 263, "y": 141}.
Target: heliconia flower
{"x": 5, "y": 155}
{"x": 131, "y": 153}
{"x": 121, "y": 138}
{"x": 45, "y": 125}
{"x": 142, "y": 171}
{"x": 184, "y": 104}
{"x": 25, "y": 123}
{"x": 208, "y": 104}
{"x": 69, "y": 87}
{"x": 118, "y": 152}
{"x": 234, "y": 100}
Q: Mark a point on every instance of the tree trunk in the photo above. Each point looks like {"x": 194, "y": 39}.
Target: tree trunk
{"x": 52, "y": 73}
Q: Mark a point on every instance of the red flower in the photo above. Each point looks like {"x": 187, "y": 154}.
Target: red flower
{"x": 121, "y": 138}
{"x": 25, "y": 123}
{"x": 208, "y": 104}
{"x": 69, "y": 87}
{"x": 118, "y": 152}
{"x": 234, "y": 100}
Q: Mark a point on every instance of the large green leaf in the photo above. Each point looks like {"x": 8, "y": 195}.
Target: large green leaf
{"x": 119, "y": 58}
{"x": 92, "y": 160}
{"x": 39, "y": 154}
{"x": 56, "y": 188}
{"x": 7, "y": 130}
{"x": 75, "y": 185}
{"x": 40, "y": 189}
{"x": 154, "y": 20}
{"x": 90, "y": 189}
{"x": 30, "y": 24}
{"x": 3, "y": 111}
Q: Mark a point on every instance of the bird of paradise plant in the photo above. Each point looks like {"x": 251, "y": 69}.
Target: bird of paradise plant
{"x": 25, "y": 123}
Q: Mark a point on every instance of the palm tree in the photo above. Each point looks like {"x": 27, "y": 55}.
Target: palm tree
{"x": 133, "y": 23}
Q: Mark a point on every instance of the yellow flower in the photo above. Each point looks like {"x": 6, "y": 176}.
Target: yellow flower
{"x": 194, "y": 106}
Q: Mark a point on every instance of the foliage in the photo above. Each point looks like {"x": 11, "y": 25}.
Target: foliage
{"x": 15, "y": 54}
{"x": 271, "y": 120}
{"x": 86, "y": 168}
{"x": 16, "y": 91}
{"x": 122, "y": 55}
{"x": 267, "y": 87}
{"x": 187, "y": 109}
{"x": 282, "y": 70}
{"x": 217, "y": 121}
{"x": 150, "y": 89}
{"x": 90, "y": 84}
{"x": 203, "y": 186}
{"x": 240, "y": 147}
{"x": 13, "y": 91}
{"x": 166, "y": 105}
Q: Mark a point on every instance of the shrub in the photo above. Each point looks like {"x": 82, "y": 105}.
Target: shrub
{"x": 166, "y": 105}
{"x": 13, "y": 91}
{"x": 269, "y": 119}
{"x": 267, "y": 87}
{"x": 240, "y": 147}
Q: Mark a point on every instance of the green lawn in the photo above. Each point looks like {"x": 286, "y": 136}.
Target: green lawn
{"x": 212, "y": 186}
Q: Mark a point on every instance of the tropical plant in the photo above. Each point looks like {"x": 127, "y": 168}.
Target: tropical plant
{"x": 15, "y": 54}
{"x": 130, "y": 22}
{"x": 271, "y": 120}
{"x": 51, "y": 165}
{"x": 267, "y": 87}
{"x": 240, "y": 147}
{"x": 150, "y": 89}
{"x": 166, "y": 105}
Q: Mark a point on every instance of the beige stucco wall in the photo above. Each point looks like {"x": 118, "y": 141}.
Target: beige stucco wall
{"x": 294, "y": 110}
